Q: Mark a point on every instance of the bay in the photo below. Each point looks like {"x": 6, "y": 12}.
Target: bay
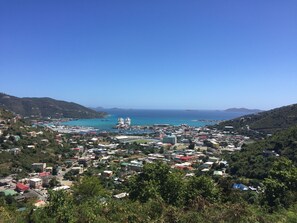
{"x": 146, "y": 117}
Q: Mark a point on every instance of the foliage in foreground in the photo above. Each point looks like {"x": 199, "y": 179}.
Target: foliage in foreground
{"x": 63, "y": 209}
{"x": 160, "y": 194}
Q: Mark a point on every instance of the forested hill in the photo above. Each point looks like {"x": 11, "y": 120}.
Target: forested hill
{"x": 266, "y": 122}
{"x": 46, "y": 107}
{"x": 255, "y": 160}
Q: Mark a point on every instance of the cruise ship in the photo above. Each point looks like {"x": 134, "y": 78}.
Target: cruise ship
{"x": 123, "y": 123}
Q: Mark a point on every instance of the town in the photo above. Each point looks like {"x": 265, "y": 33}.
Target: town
{"x": 112, "y": 157}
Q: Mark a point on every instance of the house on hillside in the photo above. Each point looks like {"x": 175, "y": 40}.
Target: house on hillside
{"x": 107, "y": 174}
{"x": 21, "y": 187}
{"x": 240, "y": 187}
{"x": 9, "y": 192}
{"x": 35, "y": 183}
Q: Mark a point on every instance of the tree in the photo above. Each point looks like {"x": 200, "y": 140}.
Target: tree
{"x": 157, "y": 181}
{"x": 173, "y": 190}
{"x": 281, "y": 185}
{"x": 88, "y": 187}
{"x": 285, "y": 171}
{"x": 59, "y": 209}
{"x": 275, "y": 192}
{"x": 55, "y": 170}
{"x": 201, "y": 186}
{"x": 53, "y": 182}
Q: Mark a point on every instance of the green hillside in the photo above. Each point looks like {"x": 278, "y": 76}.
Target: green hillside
{"x": 267, "y": 122}
{"x": 17, "y": 135}
{"x": 255, "y": 160}
{"x": 46, "y": 107}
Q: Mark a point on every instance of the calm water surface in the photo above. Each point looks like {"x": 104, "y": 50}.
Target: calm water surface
{"x": 195, "y": 118}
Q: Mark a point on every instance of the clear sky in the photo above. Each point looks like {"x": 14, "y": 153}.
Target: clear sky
{"x": 184, "y": 54}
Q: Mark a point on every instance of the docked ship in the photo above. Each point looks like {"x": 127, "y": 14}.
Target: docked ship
{"x": 123, "y": 123}
{"x": 128, "y": 121}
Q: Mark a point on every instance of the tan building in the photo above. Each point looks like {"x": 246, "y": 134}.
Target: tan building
{"x": 35, "y": 183}
{"x": 49, "y": 169}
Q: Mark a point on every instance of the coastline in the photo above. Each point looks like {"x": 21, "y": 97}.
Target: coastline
{"x": 141, "y": 120}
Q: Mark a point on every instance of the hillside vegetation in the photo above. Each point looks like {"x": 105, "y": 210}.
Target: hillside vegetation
{"x": 255, "y": 160}
{"x": 267, "y": 122}
{"x": 162, "y": 195}
{"x": 46, "y": 107}
{"x": 22, "y": 144}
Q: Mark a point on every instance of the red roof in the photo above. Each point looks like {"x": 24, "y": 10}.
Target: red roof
{"x": 185, "y": 158}
{"x": 22, "y": 187}
{"x": 203, "y": 137}
{"x": 44, "y": 174}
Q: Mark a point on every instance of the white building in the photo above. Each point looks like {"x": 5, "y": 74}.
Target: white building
{"x": 35, "y": 183}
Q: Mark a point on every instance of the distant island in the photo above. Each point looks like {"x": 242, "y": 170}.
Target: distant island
{"x": 46, "y": 107}
{"x": 243, "y": 110}
{"x": 104, "y": 109}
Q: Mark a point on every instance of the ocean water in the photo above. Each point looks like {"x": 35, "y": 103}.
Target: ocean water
{"x": 140, "y": 117}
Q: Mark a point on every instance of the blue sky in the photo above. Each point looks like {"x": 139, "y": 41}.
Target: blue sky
{"x": 194, "y": 54}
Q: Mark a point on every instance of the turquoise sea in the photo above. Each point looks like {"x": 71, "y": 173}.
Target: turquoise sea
{"x": 141, "y": 117}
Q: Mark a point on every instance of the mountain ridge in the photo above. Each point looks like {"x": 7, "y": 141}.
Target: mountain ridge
{"x": 46, "y": 107}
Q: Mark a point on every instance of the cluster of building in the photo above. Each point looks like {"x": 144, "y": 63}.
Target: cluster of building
{"x": 71, "y": 129}
{"x": 194, "y": 150}
{"x": 117, "y": 157}
{"x": 30, "y": 187}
